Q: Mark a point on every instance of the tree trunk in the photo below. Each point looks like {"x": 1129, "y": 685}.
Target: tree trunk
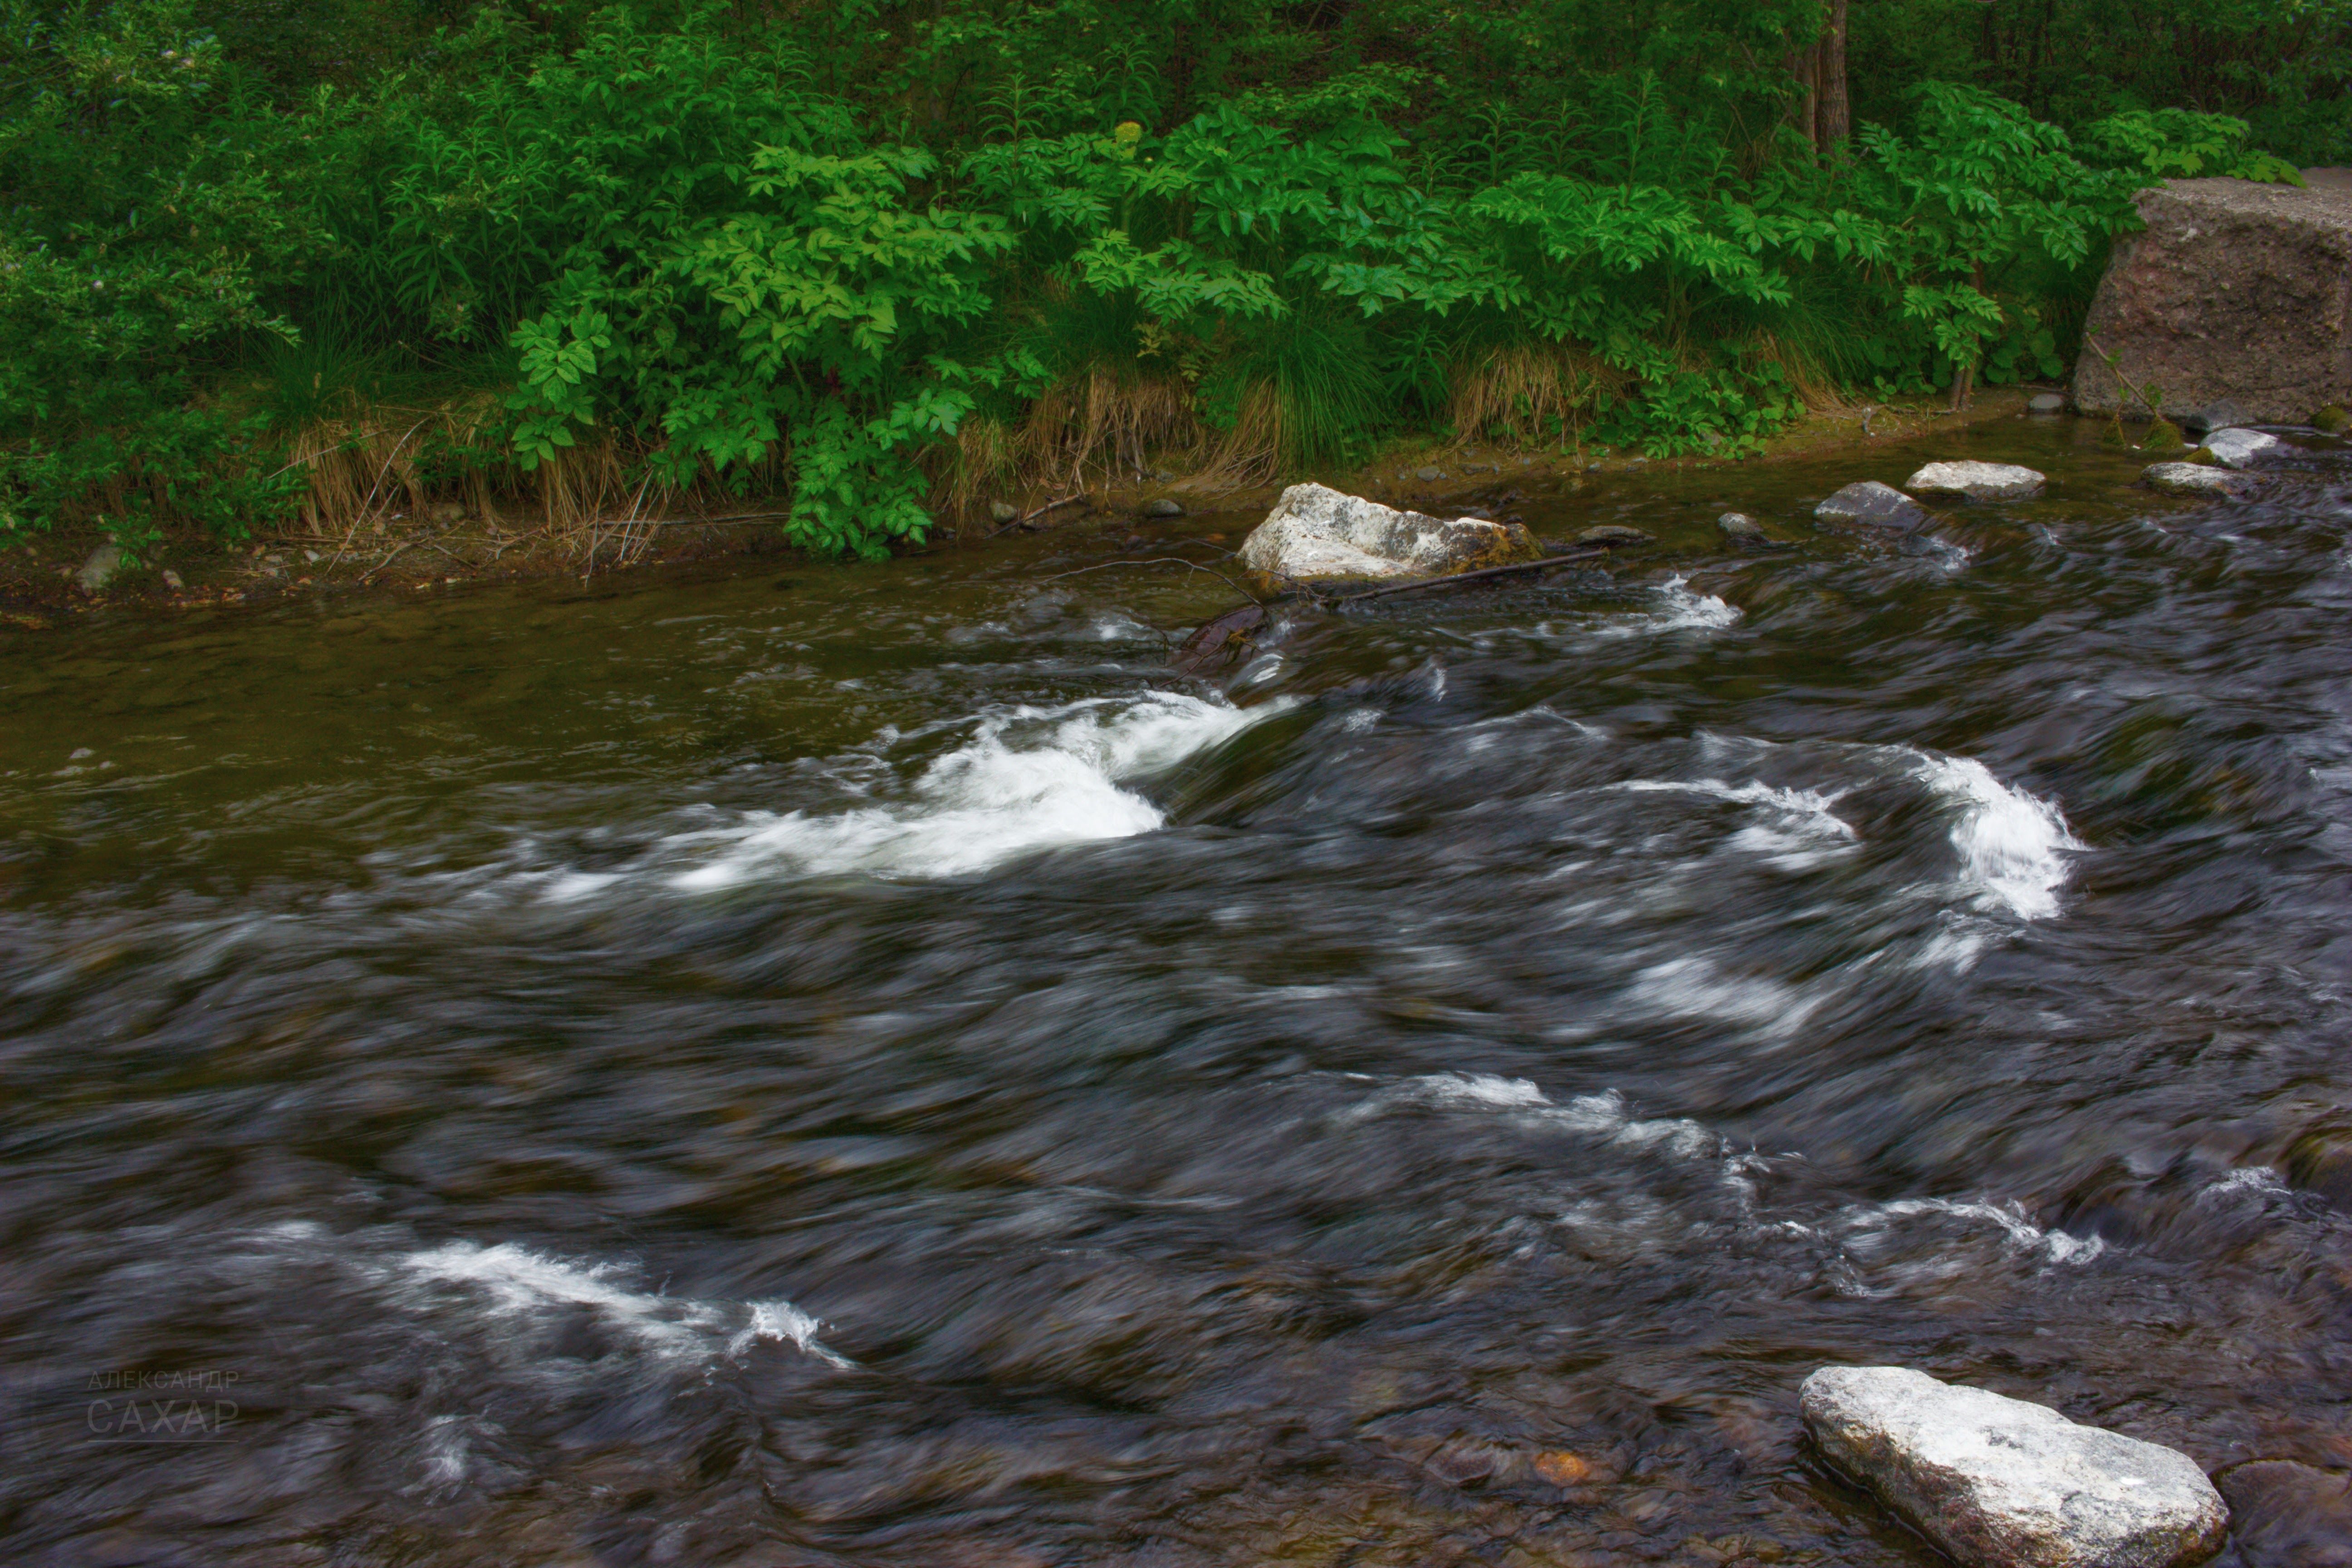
{"x": 1836, "y": 118}
{"x": 1805, "y": 64}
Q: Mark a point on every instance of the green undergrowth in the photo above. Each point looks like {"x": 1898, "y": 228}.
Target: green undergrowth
{"x": 890, "y": 261}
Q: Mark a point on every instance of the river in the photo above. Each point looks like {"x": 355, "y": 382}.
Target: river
{"x": 795, "y": 1064}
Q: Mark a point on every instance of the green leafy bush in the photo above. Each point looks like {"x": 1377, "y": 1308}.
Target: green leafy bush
{"x": 681, "y": 248}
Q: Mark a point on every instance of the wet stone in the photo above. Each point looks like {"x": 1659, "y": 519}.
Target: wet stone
{"x": 1613, "y": 536}
{"x": 2197, "y": 480}
{"x": 2287, "y": 1515}
{"x": 1977, "y": 482}
{"x": 1870, "y": 504}
{"x": 2003, "y": 1483}
{"x": 2236, "y": 448}
{"x": 1163, "y": 506}
{"x": 2320, "y": 1162}
{"x": 1318, "y": 534}
{"x": 2045, "y": 405}
{"x": 1225, "y": 640}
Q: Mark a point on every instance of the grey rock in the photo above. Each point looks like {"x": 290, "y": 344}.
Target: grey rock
{"x": 2045, "y": 404}
{"x": 1163, "y": 506}
{"x": 2217, "y": 415}
{"x": 2236, "y": 448}
{"x": 1873, "y": 505}
{"x": 2235, "y": 291}
{"x": 1977, "y": 482}
{"x": 2003, "y": 1483}
{"x": 2286, "y": 1515}
{"x": 1428, "y": 476}
{"x": 101, "y": 568}
{"x": 2197, "y": 480}
{"x": 1044, "y": 609}
{"x": 1614, "y": 536}
{"x": 1742, "y": 531}
{"x": 1002, "y": 512}
{"x": 1317, "y": 532}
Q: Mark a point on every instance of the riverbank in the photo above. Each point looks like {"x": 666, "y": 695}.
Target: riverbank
{"x": 407, "y": 556}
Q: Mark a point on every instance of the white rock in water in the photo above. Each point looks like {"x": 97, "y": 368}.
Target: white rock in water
{"x": 2195, "y": 479}
{"x": 2000, "y": 1483}
{"x": 1314, "y": 532}
{"x": 1977, "y": 481}
{"x": 2236, "y": 448}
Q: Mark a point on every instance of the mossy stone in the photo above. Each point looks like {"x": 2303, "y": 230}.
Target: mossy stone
{"x": 2163, "y": 436}
{"x": 2335, "y": 419}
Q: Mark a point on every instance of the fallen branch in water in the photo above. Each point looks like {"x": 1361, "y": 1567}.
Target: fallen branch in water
{"x": 1034, "y": 516}
{"x": 1163, "y": 561}
{"x": 1482, "y": 573}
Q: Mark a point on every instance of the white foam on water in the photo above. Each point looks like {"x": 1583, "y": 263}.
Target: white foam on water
{"x": 1805, "y": 828}
{"x": 1028, "y": 779}
{"x": 2013, "y": 845}
{"x": 1681, "y": 610}
{"x": 1687, "y": 610}
{"x": 512, "y": 1281}
{"x": 2258, "y": 1180}
{"x": 2019, "y": 1233}
{"x": 1696, "y": 987}
{"x": 1597, "y": 1115}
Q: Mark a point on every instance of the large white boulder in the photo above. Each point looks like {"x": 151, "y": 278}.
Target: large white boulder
{"x": 2000, "y": 1483}
{"x": 1977, "y": 481}
{"x": 1318, "y": 534}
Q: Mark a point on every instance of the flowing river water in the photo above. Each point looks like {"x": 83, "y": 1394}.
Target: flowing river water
{"x": 873, "y": 1066}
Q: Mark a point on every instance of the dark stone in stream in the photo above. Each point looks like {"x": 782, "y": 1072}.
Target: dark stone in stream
{"x": 2286, "y": 1515}
{"x": 1742, "y": 531}
{"x": 1613, "y": 536}
{"x": 1870, "y": 504}
{"x": 1163, "y": 506}
{"x": 2320, "y": 1162}
{"x": 1223, "y": 641}
{"x": 1044, "y": 609}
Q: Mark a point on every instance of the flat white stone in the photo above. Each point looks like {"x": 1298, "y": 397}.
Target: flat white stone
{"x": 2001, "y": 1483}
{"x": 2236, "y": 448}
{"x": 2195, "y": 480}
{"x": 1314, "y": 532}
{"x": 1977, "y": 481}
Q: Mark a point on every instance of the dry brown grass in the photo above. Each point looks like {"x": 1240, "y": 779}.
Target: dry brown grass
{"x": 1812, "y": 381}
{"x": 1106, "y": 421}
{"x": 367, "y": 468}
{"x": 1528, "y": 392}
{"x": 1253, "y": 451}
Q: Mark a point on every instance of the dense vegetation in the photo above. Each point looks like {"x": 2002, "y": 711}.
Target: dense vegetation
{"x": 888, "y": 258}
